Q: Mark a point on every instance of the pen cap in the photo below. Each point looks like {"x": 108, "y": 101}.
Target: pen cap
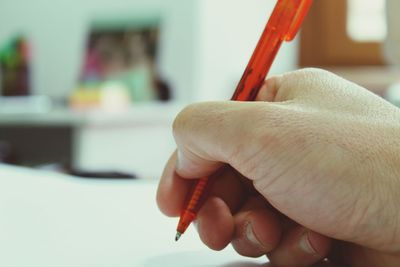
{"x": 288, "y": 16}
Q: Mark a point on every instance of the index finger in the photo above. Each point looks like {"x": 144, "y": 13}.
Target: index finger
{"x": 173, "y": 189}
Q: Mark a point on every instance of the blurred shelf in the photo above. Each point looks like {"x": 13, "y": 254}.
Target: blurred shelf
{"x": 375, "y": 78}
{"x": 138, "y": 140}
{"x": 143, "y": 114}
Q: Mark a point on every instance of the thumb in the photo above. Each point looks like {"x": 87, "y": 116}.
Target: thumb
{"x": 213, "y": 133}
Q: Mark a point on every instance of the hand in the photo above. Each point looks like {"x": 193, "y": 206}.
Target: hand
{"x": 314, "y": 172}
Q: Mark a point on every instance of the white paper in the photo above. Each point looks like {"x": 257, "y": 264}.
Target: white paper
{"x": 49, "y": 220}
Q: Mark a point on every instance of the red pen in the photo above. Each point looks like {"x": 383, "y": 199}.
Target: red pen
{"x": 283, "y": 25}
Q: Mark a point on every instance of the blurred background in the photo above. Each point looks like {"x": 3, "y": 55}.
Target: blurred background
{"x": 91, "y": 87}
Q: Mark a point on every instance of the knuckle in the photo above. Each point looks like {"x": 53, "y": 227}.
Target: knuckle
{"x": 195, "y": 115}
{"x": 304, "y": 82}
{"x": 183, "y": 118}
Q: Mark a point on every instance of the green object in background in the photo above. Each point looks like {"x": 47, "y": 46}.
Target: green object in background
{"x": 14, "y": 67}
{"x": 139, "y": 81}
{"x": 9, "y": 53}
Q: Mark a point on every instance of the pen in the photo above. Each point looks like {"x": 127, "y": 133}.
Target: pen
{"x": 283, "y": 25}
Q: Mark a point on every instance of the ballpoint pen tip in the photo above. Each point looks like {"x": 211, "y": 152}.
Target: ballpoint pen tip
{"x": 178, "y": 236}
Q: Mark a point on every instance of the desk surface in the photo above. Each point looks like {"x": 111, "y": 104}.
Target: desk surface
{"x": 156, "y": 113}
{"x": 52, "y": 220}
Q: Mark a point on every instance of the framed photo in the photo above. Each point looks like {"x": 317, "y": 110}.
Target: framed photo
{"x": 124, "y": 52}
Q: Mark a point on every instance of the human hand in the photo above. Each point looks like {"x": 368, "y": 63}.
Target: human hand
{"x": 314, "y": 172}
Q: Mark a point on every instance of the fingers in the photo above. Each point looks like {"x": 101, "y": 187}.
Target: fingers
{"x": 173, "y": 189}
{"x": 229, "y": 188}
{"x": 305, "y": 84}
{"x": 300, "y": 247}
{"x": 229, "y": 132}
{"x": 208, "y": 134}
{"x": 269, "y": 89}
{"x": 320, "y": 89}
{"x": 348, "y": 254}
{"x": 257, "y": 232}
{"x": 215, "y": 224}
{"x": 213, "y": 133}
{"x": 326, "y": 264}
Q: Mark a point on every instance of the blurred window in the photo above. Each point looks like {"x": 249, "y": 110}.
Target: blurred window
{"x": 344, "y": 33}
{"x": 366, "y": 20}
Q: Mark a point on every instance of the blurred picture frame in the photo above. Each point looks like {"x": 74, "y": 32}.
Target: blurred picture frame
{"x": 121, "y": 55}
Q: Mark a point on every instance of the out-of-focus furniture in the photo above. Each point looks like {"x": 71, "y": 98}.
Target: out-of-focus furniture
{"x": 138, "y": 141}
{"x": 392, "y": 44}
{"x": 375, "y": 78}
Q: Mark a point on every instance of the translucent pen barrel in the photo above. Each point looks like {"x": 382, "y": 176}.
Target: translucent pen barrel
{"x": 283, "y": 25}
{"x": 253, "y": 78}
{"x": 193, "y": 204}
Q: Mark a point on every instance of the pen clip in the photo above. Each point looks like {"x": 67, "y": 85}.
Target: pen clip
{"x": 299, "y": 17}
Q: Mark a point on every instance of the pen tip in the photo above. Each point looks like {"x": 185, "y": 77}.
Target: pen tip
{"x": 178, "y": 236}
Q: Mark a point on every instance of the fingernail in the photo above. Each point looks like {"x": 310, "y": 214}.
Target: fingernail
{"x": 251, "y": 236}
{"x": 179, "y": 159}
{"x": 196, "y": 224}
{"x": 306, "y": 245}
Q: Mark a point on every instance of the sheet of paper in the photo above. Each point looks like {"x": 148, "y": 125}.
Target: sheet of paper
{"x": 49, "y": 220}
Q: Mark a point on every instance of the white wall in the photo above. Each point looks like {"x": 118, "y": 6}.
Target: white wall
{"x": 229, "y": 32}
{"x": 206, "y": 44}
{"x": 58, "y": 29}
